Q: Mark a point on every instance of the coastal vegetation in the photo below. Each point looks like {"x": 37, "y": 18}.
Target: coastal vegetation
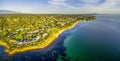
{"x": 22, "y": 32}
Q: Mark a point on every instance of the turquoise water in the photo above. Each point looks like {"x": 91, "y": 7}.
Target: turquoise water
{"x": 97, "y": 40}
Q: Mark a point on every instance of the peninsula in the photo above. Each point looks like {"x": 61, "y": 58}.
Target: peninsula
{"x": 23, "y": 32}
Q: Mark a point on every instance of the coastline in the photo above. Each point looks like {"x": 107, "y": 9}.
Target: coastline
{"x": 47, "y": 42}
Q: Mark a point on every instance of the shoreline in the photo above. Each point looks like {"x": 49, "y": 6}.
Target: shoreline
{"x": 47, "y": 42}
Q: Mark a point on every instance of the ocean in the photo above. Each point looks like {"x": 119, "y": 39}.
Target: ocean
{"x": 97, "y": 40}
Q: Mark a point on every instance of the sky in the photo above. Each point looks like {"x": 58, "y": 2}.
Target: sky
{"x": 61, "y": 6}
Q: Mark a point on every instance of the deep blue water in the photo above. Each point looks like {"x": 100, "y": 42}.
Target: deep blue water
{"x": 97, "y": 40}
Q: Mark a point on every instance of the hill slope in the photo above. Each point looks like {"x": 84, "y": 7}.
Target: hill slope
{"x": 7, "y": 12}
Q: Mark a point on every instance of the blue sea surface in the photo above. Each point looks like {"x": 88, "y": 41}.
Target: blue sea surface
{"x": 97, "y": 40}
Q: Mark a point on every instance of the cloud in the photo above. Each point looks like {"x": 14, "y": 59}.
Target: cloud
{"x": 83, "y": 6}
{"x": 108, "y": 6}
{"x": 57, "y": 2}
{"x": 86, "y": 6}
{"x": 90, "y": 1}
{"x": 109, "y": 3}
{"x": 64, "y": 6}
